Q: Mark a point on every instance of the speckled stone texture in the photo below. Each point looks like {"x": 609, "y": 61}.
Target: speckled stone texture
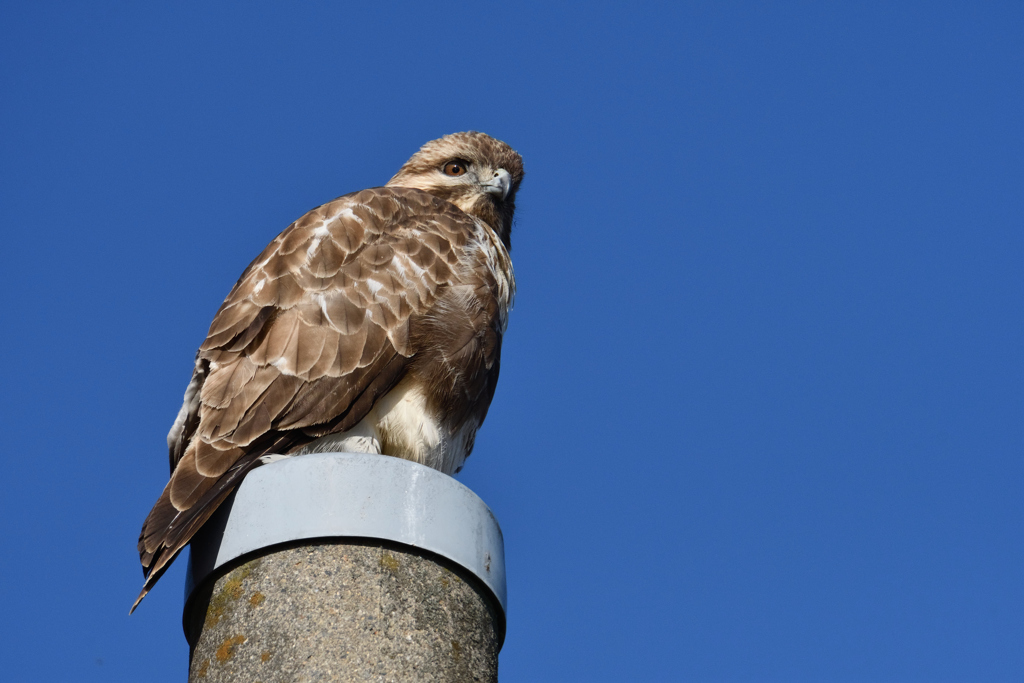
{"x": 344, "y": 612}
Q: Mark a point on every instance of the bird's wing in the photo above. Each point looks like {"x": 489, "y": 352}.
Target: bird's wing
{"x": 316, "y": 329}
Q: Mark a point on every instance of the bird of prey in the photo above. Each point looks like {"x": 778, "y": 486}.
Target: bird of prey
{"x": 372, "y": 324}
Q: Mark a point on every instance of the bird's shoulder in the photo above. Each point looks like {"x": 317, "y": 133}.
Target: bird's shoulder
{"x": 378, "y": 255}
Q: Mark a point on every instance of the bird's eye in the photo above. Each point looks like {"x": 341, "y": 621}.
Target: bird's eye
{"x": 456, "y": 167}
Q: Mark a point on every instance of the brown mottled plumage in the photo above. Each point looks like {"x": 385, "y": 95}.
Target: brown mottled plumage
{"x": 373, "y": 324}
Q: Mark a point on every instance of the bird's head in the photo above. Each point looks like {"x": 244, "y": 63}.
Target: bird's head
{"x": 473, "y": 171}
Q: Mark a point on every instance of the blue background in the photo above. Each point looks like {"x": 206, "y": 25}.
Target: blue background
{"x": 761, "y": 398}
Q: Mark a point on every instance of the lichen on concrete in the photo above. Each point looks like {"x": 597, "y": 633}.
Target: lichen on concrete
{"x": 345, "y": 612}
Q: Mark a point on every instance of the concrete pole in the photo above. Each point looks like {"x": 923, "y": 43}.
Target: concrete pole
{"x": 346, "y": 567}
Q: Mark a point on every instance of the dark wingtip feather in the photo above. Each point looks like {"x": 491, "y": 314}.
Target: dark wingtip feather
{"x": 164, "y": 535}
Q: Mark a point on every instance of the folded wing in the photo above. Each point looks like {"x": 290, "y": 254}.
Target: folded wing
{"x": 313, "y": 333}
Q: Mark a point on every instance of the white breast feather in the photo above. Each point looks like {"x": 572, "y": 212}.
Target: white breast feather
{"x": 402, "y": 417}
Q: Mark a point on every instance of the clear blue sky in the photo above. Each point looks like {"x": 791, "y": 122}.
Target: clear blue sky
{"x": 760, "y": 414}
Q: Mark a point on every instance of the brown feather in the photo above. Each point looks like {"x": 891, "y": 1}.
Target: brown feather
{"x": 227, "y": 381}
{"x": 187, "y": 484}
{"x": 343, "y": 314}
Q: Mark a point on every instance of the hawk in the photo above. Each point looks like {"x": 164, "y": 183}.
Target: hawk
{"x": 372, "y": 324}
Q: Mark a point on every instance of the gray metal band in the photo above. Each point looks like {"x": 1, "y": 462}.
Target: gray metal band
{"x": 356, "y": 495}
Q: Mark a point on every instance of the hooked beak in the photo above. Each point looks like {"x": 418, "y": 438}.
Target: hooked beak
{"x": 499, "y": 185}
